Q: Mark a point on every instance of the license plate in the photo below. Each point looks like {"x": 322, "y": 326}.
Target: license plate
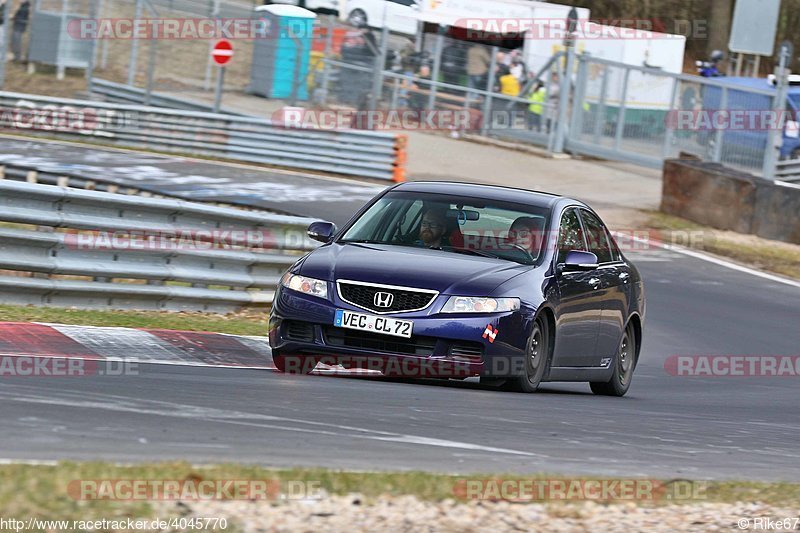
{"x": 372, "y": 323}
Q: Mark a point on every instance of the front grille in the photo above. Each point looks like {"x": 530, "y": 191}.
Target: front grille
{"x": 363, "y": 296}
{"x": 471, "y": 352}
{"x": 422, "y": 346}
{"x": 298, "y": 331}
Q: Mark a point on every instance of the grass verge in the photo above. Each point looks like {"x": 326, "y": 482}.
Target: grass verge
{"x": 250, "y": 322}
{"x": 772, "y": 256}
{"x": 52, "y": 492}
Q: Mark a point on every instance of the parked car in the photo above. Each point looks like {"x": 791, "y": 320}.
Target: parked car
{"x": 399, "y": 15}
{"x": 751, "y": 143}
{"x": 319, "y": 6}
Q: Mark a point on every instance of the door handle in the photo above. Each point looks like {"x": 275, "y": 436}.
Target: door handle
{"x": 594, "y": 282}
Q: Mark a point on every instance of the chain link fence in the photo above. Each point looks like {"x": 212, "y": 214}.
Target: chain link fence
{"x": 613, "y": 110}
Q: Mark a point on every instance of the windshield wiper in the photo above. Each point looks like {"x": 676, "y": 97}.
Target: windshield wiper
{"x": 481, "y": 253}
{"x": 362, "y": 241}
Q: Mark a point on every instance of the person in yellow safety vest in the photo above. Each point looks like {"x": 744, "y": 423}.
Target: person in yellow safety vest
{"x": 536, "y": 107}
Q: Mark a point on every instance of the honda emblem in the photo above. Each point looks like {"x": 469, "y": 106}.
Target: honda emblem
{"x": 384, "y": 300}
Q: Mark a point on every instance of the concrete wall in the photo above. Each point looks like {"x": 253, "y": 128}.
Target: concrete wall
{"x": 723, "y": 198}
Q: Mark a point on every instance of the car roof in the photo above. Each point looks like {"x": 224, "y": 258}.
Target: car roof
{"x": 489, "y": 192}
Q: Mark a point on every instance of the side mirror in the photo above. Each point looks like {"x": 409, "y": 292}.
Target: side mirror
{"x": 577, "y": 261}
{"x": 322, "y": 231}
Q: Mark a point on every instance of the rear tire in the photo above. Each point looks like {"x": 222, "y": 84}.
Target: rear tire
{"x": 624, "y": 365}
{"x": 537, "y": 357}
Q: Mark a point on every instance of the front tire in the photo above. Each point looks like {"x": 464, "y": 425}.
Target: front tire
{"x": 624, "y": 365}
{"x": 537, "y": 357}
{"x": 294, "y": 364}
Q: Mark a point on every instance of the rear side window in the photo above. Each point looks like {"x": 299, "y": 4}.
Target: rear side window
{"x": 597, "y": 237}
{"x": 570, "y": 234}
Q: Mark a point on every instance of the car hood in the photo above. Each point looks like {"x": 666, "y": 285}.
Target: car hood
{"x": 446, "y": 272}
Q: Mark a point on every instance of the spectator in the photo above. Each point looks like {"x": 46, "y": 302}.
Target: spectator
{"x": 503, "y": 59}
{"x": 518, "y": 68}
{"x": 508, "y": 83}
{"x": 536, "y": 107}
{"x": 419, "y": 100}
{"x": 19, "y": 25}
{"x": 553, "y": 93}
{"x": 478, "y": 61}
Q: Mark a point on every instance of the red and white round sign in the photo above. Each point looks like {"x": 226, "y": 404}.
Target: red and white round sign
{"x": 222, "y": 52}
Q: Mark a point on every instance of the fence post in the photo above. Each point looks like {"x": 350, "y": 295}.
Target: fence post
{"x": 6, "y": 31}
{"x": 563, "y": 97}
{"x": 668, "y": 132}
{"x": 487, "y": 101}
{"x": 716, "y": 156}
{"x": 437, "y": 65}
{"x": 137, "y": 15}
{"x": 778, "y": 105}
{"x": 326, "y": 66}
{"x": 600, "y": 114}
{"x": 377, "y": 76}
{"x": 151, "y": 69}
{"x": 103, "y": 42}
{"x": 61, "y": 68}
{"x": 621, "y": 113}
{"x": 93, "y": 14}
{"x": 578, "y": 98}
{"x": 209, "y": 60}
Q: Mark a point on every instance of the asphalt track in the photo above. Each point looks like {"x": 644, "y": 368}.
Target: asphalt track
{"x": 667, "y": 426}
{"x": 277, "y": 190}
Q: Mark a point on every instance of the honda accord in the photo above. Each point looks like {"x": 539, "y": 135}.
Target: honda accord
{"x": 514, "y": 286}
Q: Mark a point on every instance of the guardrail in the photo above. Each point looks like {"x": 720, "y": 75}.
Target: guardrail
{"x": 239, "y": 138}
{"x": 788, "y": 170}
{"x": 127, "y": 94}
{"x": 75, "y": 180}
{"x": 127, "y": 252}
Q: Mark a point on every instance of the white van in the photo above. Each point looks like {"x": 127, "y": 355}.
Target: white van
{"x": 400, "y": 16}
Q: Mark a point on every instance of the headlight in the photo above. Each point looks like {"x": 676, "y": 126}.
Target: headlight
{"x": 468, "y": 304}
{"x": 314, "y": 287}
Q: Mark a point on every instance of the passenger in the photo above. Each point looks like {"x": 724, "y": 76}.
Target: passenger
{"x": 526, "y": 232}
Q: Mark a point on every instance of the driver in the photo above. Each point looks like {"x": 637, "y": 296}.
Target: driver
{"x": 432, "y": 227}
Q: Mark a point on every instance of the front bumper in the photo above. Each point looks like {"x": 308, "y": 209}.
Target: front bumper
{"x": 442, "y": 345}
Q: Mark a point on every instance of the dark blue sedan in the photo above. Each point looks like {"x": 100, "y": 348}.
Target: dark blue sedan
{"x": 452, "y": 280}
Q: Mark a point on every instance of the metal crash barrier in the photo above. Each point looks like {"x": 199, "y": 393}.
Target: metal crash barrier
{"x": 90, "y": 249}
{"x": 239, "y": 138}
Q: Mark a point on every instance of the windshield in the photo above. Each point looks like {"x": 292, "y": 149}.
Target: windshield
{"x": 454, "y": 224}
